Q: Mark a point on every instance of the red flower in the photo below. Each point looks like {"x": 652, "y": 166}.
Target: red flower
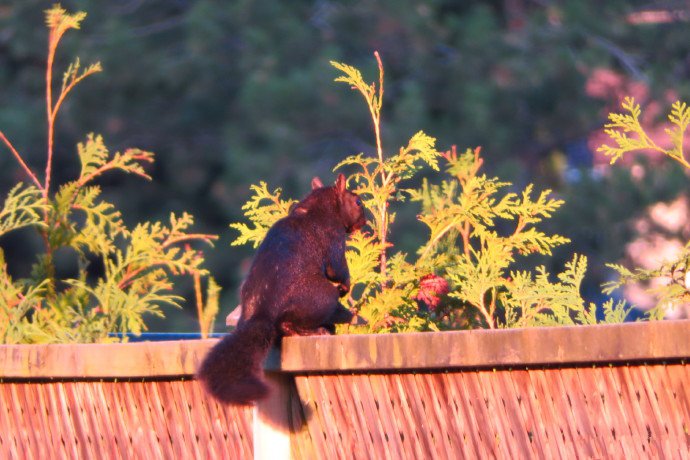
{"x": 431, "y": 288}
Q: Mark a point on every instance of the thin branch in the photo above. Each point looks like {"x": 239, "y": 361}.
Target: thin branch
{"x": 377, "y": 120}
{"x": 129, "y": 276}
{"x": 465, "y": 233}
{"x": 681, "y": 160}
{"x": 487, "y": 316}
{"x": 628, "y": 61}
{"x": 375, "y": 105}
{"x": 199, "y": 301}
{"x": 65, "y": 91}
{"x": 191, "y": 236}
{"x": 111, "y": 165}
{"x": 432, "y": 243}
{"x": 492, "y": 308}
{"x": 520, "y": 225}
{"x": 24, "y": 166}
{"x": 53, "y": 40}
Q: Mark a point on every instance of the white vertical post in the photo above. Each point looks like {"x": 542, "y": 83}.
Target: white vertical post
{"x": 271, "y": 420}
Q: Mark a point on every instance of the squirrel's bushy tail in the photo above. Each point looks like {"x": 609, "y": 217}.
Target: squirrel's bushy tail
{"x": 233, "y": 369}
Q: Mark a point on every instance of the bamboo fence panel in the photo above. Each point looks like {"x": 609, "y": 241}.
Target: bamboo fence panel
{"x": 633, "y": 411}
{"x": 119, "y": 419}
{"x": 618, "y": 391}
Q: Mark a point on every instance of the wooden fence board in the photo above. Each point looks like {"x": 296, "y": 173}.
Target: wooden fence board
{"x": 356, "y": 419}
{"x": 30, "y": 416}
{"x": 22, "y": 418}
{"x": 555, "y": 421}
{"x": 616, "y": 416}
{"x": 390, "y": 397}
{"x": 371, "y": 418}
{"x": 330, "y": 425}
{"x": 301, "y": 444}
{"x": 315, "y": 421}
{"x": 679, "y": 391}
{"x": 563, "y": 409}
{"x": 64, "y": 415}
{"x": 513, "y": 414}
{"x": 8, "y": 437}
{"x": 456, "y": 426}
{"x": 465, "y": 402}
{"x": 487, "y": 348}
{"x": 487, "y": 429}
{"x": 436, "y": 409}
{"x": 497, "y": 418}
{"x": 647, "y": 388}
{"x": 531, "y": 414}
{"x": 82, "y": 419}
{"x": 382, "y": 390}
{"x": 411, "y": 443}
{"x": 673, "y": 417}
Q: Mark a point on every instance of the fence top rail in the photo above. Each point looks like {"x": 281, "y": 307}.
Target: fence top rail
{"x": 573, "y": 345}
{"x": 556, "y": 346}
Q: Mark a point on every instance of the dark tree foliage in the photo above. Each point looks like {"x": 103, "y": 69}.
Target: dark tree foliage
{"x": 228, "y": 93}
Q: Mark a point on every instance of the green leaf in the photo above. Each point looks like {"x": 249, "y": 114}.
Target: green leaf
{"x": 95, "y": 160}
{"x": 628, "y": 135}
{"x": 535, "y": 300}
{"x": 58, "y": 19}
{"x": 103, "y": 223}
{"x": 353, "y": 77}
{"x": 410, "y": 160}
{"x": 616, "y": 313}
{"x": 23, "y": 207}
{"x": 263, "y": 209}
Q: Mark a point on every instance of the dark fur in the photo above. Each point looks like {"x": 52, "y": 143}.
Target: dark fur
{"x": 293, "y": 287}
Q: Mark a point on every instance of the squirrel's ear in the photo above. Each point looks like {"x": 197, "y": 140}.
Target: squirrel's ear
{"x": 316, "y": 183}
{"x": 340, "y": 183}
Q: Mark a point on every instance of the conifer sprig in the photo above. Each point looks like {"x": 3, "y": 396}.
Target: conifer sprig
{"x": 263, "y": 209}
{"x": 206, "y": 310}
{"x": 378, "y": 178}
{"x": 465, "y": 212}
{"x": 534, "y": 300}
{"x": 630, "y": 137}
{"x": 23, "y": 207}
{"x": 59, "y": 22}
{"x": 95, "y": 160}
{"x": 138, "y": 264}
{"x": 372, "y": 95}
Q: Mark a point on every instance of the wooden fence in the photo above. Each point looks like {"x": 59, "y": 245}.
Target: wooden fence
{"x": 584, "y": 392}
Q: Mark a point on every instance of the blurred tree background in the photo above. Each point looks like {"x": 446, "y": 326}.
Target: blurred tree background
{"x": 230, "y": 93}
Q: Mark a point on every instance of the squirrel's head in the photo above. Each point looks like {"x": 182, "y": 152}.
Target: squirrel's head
{"x": 351, "y": 206}
{"x": 348, "y": 205}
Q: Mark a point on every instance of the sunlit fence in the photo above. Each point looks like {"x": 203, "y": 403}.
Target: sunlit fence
{"x": 583, "y": 392}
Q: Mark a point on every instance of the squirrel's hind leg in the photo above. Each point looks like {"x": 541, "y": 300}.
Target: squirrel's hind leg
{"x": 288, "y": 329}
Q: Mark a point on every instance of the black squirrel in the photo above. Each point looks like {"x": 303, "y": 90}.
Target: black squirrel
{"x": 298, "y": 274}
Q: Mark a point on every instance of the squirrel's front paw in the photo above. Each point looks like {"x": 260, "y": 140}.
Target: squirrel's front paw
{"x": 343, "y": 289}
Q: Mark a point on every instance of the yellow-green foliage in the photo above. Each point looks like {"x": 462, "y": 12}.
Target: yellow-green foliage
{"x": 384, "y": 287}
{"x": 23, "y": 207}
{"x": 534, "y": 300}
{"x": 138, "y": 264}
{"x": 630, "y": 137}
{"x": 396, "y": 292}
{"x": 262, "y": 210}
{"x": 208, "y": 310}
{"x": 463, "y": 215}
